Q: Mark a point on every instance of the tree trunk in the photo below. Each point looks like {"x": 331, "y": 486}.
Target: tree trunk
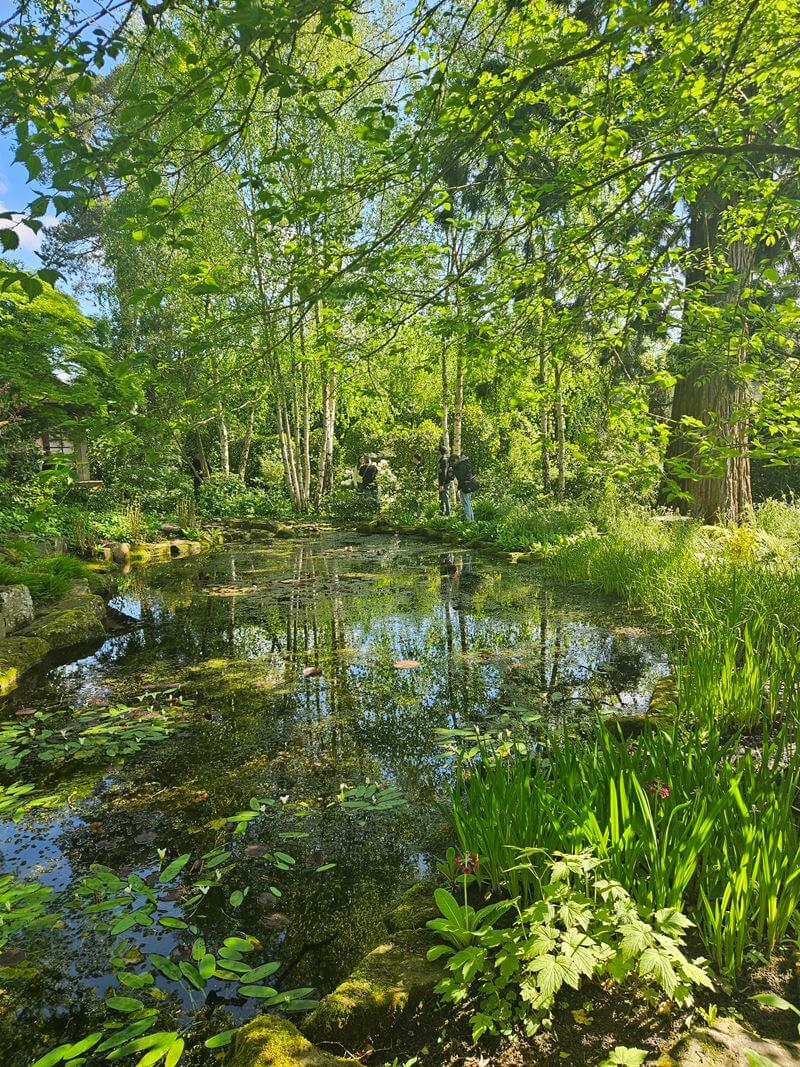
{"x": 458, "y": 405}
{"x": 445, "y": 398}
{"x": 560, "y": 436}
{"x": 708, "y": 452}
{"x": 544, "y": 418}
{"x": 224, "y": 442}
{"x": 248, "y": 440}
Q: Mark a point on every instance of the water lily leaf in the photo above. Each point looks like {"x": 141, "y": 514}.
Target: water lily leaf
{"x": 174, "y": 868}
{"x": 165, "y": 966}
{"x": 259, "y": 973}
{"x": 124, "y": 1004}
{"x": 207, "y": 966}
{"x": 173, "y": 924}
{"x": 260, "y": 992}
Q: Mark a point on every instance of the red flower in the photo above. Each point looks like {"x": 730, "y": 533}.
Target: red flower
{"x": 467, "y": 864}
{"x": 657, "y": 789}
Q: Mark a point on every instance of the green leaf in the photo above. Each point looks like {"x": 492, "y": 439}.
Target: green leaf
{"x": 173, "y": 924}
{"x": 9, "y": 239}
{"x": 449, "y": 907}
{"x": 625, "y": 1057}
{"x": 220, "y": 1040}
{"x": 55, "y": 1055}
{"x": 125, "y": 1004}
{"x": 207, "y": 966}
{"x": 772, "y": 1000}
{"x": 119, "y": 1038}
{"x": 174, "y": 1053}
{"x": 83, "y": 1045}
{"x": 258, "y": 991}
{"x": 259, "y": 973}
{"x": 174, "y": 868}
{"x": 165, "y": 966}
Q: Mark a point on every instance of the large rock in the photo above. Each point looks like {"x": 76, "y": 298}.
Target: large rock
{"x": 71, "y": 621}
{"x": 17, "y": 655}
{"x": 268, "y": 1041}
{"x": 393, "y": 978}
{"x": 723, "y": 1045}
{"x": 416, "y": 907}
{"x": 16, "y": 608}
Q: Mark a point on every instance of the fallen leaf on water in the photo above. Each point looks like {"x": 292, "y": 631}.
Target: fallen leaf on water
{"x": 406, "y": 664}
{"x": 311, "y": 672}
{"x": 256, "y": 850}
{"x": 276, "y": 920}
{"x": 10, "y": 957}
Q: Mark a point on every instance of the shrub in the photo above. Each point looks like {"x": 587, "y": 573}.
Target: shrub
{"x": 581, "y": 927}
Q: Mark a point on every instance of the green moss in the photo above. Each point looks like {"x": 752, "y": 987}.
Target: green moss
{"x": 415, "y": 909}
{"x": 17, "y": 655}
{"x": 268, "y": 1041}
{"x": 73, "y": 621}
{"x": 393, "y": 978}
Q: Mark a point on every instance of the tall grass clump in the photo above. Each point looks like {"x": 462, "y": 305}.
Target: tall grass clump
{"x": 47, "y": 578}
{"x": 698, "y": 823}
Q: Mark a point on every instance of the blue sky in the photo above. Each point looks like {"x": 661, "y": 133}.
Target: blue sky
{"x": 15, "y": 194}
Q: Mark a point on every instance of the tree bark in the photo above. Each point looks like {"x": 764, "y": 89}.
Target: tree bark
{"x": 248, "y": 440}
{"x": 544, "y": 418}
{"x": 458, "y": 405}
{"x": 560, "y": 435}
{"x": 445, "y": 398}
{"x": 708, "y": 451}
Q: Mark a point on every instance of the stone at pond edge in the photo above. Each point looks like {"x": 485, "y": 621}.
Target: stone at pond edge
{"x": 391, "y": 979}
{"x": 16, "y": 608}
{"x": 71, "y": 622}
{"x": 416, "y": 907}
{"x": 17, "y": 655}
{"x": 723, "y": 1045}
{"x": 268, "y": 1041}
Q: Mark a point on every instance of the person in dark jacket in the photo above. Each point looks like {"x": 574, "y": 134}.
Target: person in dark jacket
{"x": 368, "y": 473}
{"x": 467, "y": 483}
{"x": 444, "y": 476}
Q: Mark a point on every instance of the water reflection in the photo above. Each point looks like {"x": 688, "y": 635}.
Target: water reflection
{"x": 237, "y": 632}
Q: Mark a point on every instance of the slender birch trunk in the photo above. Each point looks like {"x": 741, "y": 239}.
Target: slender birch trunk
{"x": 560, "y": 434}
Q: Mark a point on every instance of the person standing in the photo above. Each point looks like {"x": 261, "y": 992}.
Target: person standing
{"x": 467, "y": 484}
{"x": 368, "y": 472}
{"x": 444, "y": 476}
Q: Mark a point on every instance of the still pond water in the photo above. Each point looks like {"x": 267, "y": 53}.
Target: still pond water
{"x": 222, "y": 649}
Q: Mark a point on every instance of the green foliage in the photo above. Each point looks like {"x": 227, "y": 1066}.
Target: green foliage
{"x": 579, "y": 928}
{"x": 227, "y": 496}
{"x": 680, "y": 819}
{"x": 47, "y": 577}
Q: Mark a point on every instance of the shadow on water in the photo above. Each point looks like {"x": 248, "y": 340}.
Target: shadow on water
{"x": 285, "y": 655}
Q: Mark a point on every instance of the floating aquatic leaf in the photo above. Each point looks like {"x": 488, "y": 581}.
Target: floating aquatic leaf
{"x": 220, "y": 1040}
{"x": 124, "y": 1004}
{"x": 174, "y": 868}
{"x": 260, "y": 992}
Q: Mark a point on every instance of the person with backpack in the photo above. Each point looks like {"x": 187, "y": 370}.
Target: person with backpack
{"x": 444, "y": 475}
{"x": 467, "y": 485}
{"x": 368, "y": 473}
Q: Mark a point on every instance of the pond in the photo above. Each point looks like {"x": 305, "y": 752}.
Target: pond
{"x": 289, "y": 673}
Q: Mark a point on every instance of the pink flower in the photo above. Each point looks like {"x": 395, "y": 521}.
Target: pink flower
{"x": 657, "y": 789}
{"x": 467, "y": 864}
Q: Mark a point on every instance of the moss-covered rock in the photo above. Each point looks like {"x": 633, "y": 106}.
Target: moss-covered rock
{"x": 268, "y": 1041}
{"x": 71, "y": 622}
{"x": 416, "y": 907}
{"x": 723, "y": 1045}
{"x": 391, "y": 979}
{"x": 17, "y": 655}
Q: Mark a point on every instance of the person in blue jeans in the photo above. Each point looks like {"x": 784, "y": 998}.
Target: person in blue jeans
{"x": 467, "y": 484}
